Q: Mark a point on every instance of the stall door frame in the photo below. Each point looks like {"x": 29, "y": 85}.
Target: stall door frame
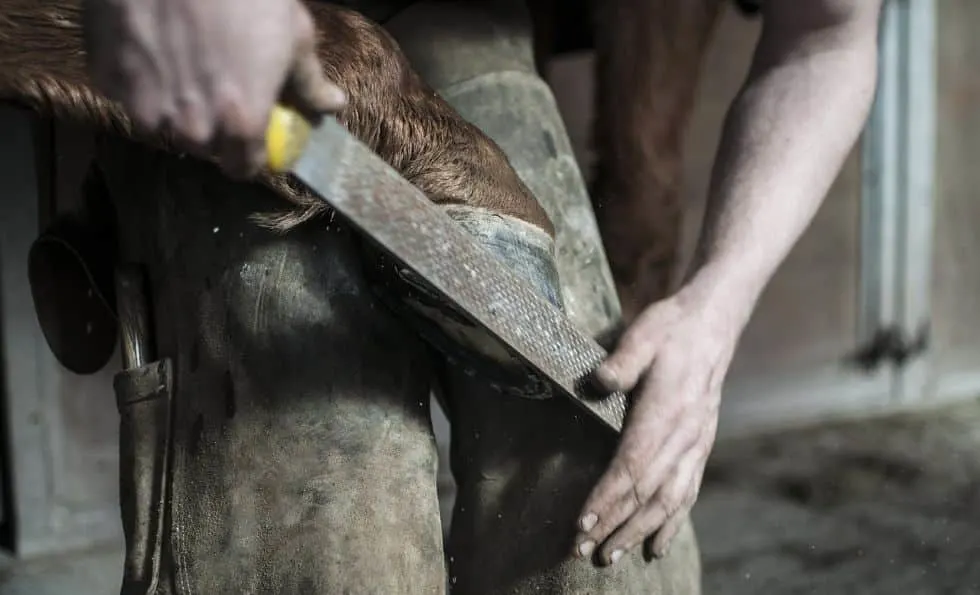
{"x": 939, "y": 384}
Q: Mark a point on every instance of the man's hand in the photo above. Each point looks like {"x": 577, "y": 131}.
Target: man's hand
{"x": 208, "y": 71}
{"x": 673, "y": 358}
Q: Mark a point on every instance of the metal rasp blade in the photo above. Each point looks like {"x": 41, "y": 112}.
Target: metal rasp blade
{"x": 398, "y": 217}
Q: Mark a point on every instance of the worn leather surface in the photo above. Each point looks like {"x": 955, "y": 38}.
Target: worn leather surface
{"x": 303, "y": 457}
{"x": 524, "y": 468}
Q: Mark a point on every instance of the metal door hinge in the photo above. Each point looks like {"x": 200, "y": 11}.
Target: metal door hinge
{"x": 890, "y": 345}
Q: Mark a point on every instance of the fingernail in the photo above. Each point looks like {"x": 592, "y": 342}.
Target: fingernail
{"x": 588, "y": 521}
{"x": 661, "y": 553}
{"x": 585, "y": 548}
{"x": 616, "y": 556}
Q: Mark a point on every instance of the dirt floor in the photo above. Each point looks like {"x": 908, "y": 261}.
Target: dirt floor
{"x": 883, "y": 507}
{"x": 890, "y": 506}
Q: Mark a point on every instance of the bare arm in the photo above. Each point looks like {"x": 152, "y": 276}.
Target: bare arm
{"x": 788, "y": 132}
{"x": 786, "y": 136}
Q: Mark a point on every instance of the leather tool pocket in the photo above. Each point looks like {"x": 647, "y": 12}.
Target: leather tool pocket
{"x": 144, "y": 396}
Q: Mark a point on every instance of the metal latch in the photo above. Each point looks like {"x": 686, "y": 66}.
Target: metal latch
{"x": 890, "y": 345}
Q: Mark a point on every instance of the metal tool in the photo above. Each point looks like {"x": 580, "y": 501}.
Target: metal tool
{"x": 402, "y": 222}
{"x": 134, "y": 317}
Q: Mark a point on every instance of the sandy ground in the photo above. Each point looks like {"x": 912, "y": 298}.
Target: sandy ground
{"x": 889, "y": 506}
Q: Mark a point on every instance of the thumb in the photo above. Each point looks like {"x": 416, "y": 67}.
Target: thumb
{"x": 634, "y": 353}
{"x": 307, "y": 88}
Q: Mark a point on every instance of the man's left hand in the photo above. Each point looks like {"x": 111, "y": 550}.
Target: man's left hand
{"x": 673, "y": 359}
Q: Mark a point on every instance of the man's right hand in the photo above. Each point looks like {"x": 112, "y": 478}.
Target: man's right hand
{"x": 209, "y": 71}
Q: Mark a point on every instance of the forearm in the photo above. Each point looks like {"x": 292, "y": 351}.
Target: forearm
{"x": 785, "y": 139}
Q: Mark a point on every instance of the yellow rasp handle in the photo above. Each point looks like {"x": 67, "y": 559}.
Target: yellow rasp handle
{"x": 285, "y": 138}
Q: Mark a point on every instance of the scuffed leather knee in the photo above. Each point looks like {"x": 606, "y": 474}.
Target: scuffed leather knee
{"x": 300, "y": 417}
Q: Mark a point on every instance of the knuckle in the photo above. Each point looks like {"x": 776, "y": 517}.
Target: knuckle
{"x": 146, "y": 112}
{"x": 704, "y": 442}
{"x": 153, "y": 122}
{"x": 653, "y": 318}
{"x": 644, "y": 492}
{"x": 630, "y": 462}
{"x": 695, "y": 490}
{"x": 634, "y": 533}
{"x": 193, "y": 122}
{"x": 690, "y": 434}
{"x": 692, "y": 495}
{"x": 617, "y": 478}
{"x": 240, "y": 127}
{"x": 672, "y": 503}
{"x": 236, "y": 118}
{"x": 665, "y": 537}
{"x": 193, "y": 136}
{"x": 187, "y": 132}
{"x": 632, "y": 342}
{"x": 615, "y": 514}
{"x": 622, "y": 509}
{"x": 703, "y": 449}
{"x": 602, "y": 531}
{"x": 641, "y": 497}
{"x": 640, "y": 490}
